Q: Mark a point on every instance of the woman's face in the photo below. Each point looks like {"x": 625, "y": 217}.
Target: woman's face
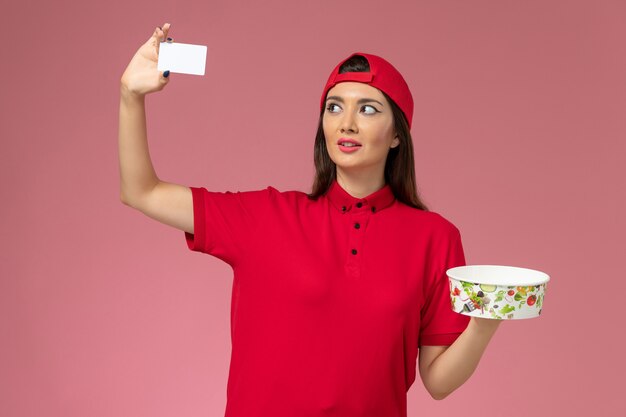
{"x": 359, "y": 128}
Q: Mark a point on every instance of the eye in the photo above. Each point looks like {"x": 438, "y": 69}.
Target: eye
{"x": 330, "y": 107}
{"x": 372, "y": 108}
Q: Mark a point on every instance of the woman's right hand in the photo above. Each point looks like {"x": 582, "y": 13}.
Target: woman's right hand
{"x": 141, "y": 76}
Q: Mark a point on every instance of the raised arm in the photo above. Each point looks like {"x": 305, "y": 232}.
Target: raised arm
{"x": 140, "y": 188}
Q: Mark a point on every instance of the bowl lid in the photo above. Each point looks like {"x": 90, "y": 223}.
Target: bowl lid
{"x": 509, "y": 276}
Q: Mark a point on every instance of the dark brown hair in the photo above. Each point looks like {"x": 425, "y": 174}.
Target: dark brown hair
{"x": 400, "y": 164}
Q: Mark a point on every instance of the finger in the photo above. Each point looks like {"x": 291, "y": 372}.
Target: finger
{"x": 164, "y": 78}
{"x": 155, "y": 35}
{"x": 163, "y": 32}
{"x": 159, "y": 38}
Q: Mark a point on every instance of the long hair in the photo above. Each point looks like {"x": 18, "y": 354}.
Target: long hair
{"x": 400, "y": 164}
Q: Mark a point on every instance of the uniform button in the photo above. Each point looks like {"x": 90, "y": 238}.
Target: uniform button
{"x": 373, "y": 209}
{"x": 357, "y": 226}
{"x": 354, "y": 251}
{"x": 359, "y": 204}
{"x": 343, "y": 208}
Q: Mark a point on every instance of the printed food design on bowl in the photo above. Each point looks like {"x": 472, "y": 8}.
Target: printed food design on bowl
{"x": 497, "y": 292}
{"x": 497, "y": 302}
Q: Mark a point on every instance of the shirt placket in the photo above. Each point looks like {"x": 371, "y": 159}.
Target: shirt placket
{"x": 358, "y": 219}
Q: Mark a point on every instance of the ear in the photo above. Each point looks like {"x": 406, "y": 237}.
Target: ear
{"x": 395, "y": 142}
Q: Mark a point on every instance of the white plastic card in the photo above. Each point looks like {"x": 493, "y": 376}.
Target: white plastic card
{"x": 182, "y": 58}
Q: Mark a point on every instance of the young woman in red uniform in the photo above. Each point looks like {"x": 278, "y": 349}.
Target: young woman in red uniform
{"x": 336, "y": 293}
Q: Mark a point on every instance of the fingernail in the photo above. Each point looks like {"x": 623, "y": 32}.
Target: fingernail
{"x": 166, "y": 74}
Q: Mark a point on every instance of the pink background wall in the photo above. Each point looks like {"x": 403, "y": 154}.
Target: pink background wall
{"x": 519, "y": 133}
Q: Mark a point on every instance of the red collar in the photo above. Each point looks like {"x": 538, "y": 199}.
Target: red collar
{"x": 374, "y": 202}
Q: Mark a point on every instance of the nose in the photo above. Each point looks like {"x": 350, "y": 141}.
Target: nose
{"x": 348, "y": 122}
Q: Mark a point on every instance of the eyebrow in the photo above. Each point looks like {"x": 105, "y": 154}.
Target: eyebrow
{"x": 360, "y": 101}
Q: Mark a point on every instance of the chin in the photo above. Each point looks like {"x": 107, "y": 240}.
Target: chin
{"x": 355, "y": 167}
{"x": 346, "y": 165}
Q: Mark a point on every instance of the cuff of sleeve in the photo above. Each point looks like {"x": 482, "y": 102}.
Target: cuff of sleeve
{"x": 197, "y": 240}
{"x": 439, "y": 339}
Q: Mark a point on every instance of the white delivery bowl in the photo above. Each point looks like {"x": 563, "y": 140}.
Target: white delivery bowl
{"x": 497, "y": 292}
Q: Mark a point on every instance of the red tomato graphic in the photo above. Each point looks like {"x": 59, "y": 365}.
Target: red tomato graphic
{"x": 531, "y": 300}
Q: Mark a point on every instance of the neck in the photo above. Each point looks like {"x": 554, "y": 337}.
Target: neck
{"x": 360, "y": 184}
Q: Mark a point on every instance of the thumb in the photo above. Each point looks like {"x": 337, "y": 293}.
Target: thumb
{"x": 164, "y": 78}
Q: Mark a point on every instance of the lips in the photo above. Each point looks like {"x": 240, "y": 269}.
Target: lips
{"x": 348, "y": 143}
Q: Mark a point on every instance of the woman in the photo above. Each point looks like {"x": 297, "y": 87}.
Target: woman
{"x": 335, "y": 292}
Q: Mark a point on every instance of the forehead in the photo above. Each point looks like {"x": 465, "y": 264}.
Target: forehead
{"x": 353, "y": 90}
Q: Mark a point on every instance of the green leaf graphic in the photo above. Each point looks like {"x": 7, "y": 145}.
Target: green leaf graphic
{"x": 507, "y": 309}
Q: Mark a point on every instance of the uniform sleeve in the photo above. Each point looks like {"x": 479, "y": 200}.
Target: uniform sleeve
{"x": 224, "y": 222}
{"x": 440, "y": 325}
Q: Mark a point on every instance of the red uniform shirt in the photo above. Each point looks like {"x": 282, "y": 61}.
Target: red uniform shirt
{"x": 331, "y": 298}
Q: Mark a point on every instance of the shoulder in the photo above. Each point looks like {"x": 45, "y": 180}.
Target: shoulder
{"x": 429, "y": 221}
{"x": 286, "y": 195}
{"x": 269, "y": 194}
{"x": 288, "y": 198}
